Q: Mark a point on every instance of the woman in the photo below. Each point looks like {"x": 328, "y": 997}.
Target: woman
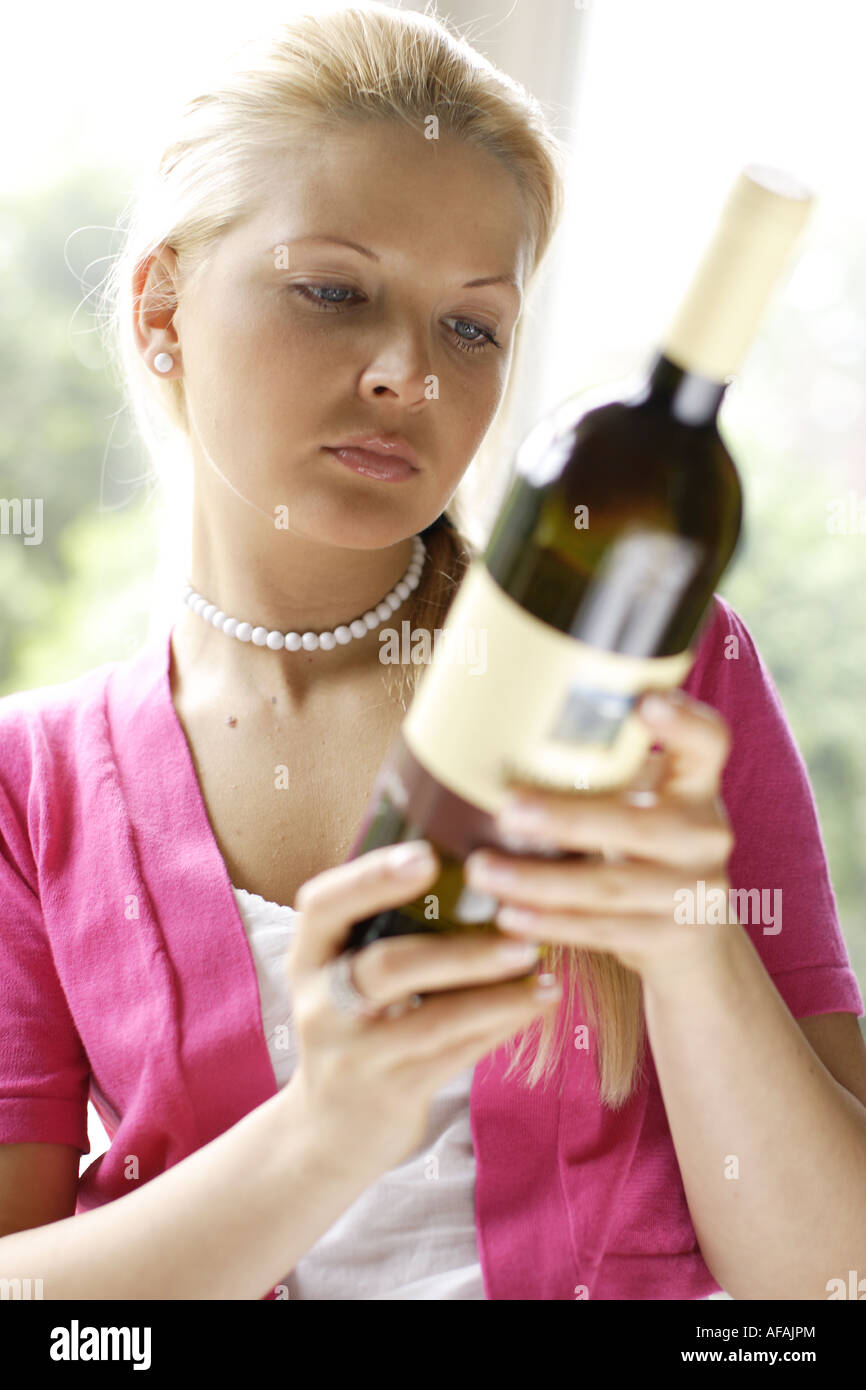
{"x": 337, "y": 249}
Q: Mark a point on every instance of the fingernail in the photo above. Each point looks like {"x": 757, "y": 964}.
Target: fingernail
{"x": 523, "y": 918}
{"x": 640, "y": 796}
{"x": 521, "y": 815}
{"x": 519, "y": 953}
{"x": 656, "y": 710}
{"x": 411, "y": 857}
{"x": 545, "y": 986}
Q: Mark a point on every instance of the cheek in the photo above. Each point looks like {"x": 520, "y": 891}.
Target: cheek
{"x": 249, "y": 376}
{"x": 476, "y": 397}
{"x": 282, "y": 362}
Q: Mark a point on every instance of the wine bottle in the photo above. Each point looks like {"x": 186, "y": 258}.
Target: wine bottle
{"x": 594, "y": 585}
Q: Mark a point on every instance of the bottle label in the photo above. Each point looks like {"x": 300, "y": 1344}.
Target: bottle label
{"x": 541, "y": 707}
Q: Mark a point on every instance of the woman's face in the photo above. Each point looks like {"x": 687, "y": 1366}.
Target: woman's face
{"x": 290, "y": 342}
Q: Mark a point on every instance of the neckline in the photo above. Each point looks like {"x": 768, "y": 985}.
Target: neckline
{"x": 200, "y": 941}
{"x": 265, "y": 902}
{"x": 196, "y": 792}
{"x": 199, "y": 799}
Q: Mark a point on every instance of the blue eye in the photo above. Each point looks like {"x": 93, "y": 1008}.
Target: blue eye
{"x": 328, "y": 302}
{"x": 313, "y": 291}
{"x": 474, "y": 344}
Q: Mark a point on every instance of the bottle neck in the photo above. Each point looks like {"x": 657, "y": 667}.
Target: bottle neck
{"x": 691, "y": 399}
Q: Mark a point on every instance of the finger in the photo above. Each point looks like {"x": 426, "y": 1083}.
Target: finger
{"x": 579, "y": 885}
{"x": 611, "y": 825}
{"x": 696, "y": 740}
{"x": 634, "y": 933}
{"x": 464, "y": 1015}
{"x": 634, "y": 939}
{"x": 643, "y": 788}
{"x": 464, "y": 1050}
{"x": 395, "y": 967}
{"x": 331, "y": 901}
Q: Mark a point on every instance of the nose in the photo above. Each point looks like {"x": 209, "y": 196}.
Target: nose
{"x": 399, "y": 366}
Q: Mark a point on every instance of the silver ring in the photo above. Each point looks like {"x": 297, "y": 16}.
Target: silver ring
{"x": 345, "y": 995}
{"x": 348, "y": 999}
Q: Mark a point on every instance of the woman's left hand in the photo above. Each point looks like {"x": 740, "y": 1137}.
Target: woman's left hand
{"x": 625, "y": 904}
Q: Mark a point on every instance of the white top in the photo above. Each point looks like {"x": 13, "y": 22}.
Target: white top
{"x": 411, "y": 1234}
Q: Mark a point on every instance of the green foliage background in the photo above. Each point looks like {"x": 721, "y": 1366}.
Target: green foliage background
{"x": 81, "y": 597}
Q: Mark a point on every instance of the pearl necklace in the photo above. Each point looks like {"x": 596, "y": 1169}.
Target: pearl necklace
{"x": 310, "y": 641}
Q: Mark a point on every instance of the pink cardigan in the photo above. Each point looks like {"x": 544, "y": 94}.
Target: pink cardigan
{"x": 127, "y": 976}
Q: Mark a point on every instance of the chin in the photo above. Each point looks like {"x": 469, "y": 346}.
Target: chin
{"x": 352, "y": 527}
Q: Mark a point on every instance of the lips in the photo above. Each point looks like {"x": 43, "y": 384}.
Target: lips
{"x": 387, "y": 468}
{"x": 387, "y": 446}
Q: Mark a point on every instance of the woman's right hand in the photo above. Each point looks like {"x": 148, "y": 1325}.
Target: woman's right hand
{"x": 367, "y": 1083}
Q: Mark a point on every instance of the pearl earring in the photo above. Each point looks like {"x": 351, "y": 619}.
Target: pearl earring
{"x": 163, "y": 362}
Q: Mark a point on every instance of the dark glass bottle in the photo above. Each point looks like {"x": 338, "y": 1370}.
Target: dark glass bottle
{"x": 624, "y": 512}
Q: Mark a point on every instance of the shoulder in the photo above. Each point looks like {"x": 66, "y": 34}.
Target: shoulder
{"x": 730, "y": 674}
{"x": 49, "y": 712}
{"x": 57, "y": 739}
{"x": 765, "y": 783}
{"x": 725, "y": 647}
{"x": 778, "y": 856}
{"x": 45, "y": 736}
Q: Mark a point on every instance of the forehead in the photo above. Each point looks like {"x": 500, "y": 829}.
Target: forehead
{"x": 411, "y": 200}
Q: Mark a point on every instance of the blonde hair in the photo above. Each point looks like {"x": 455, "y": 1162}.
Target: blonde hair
{"x": 317, "y": 73}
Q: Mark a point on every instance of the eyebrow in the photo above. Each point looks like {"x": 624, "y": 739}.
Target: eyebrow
{"x": 371, "y": 255}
